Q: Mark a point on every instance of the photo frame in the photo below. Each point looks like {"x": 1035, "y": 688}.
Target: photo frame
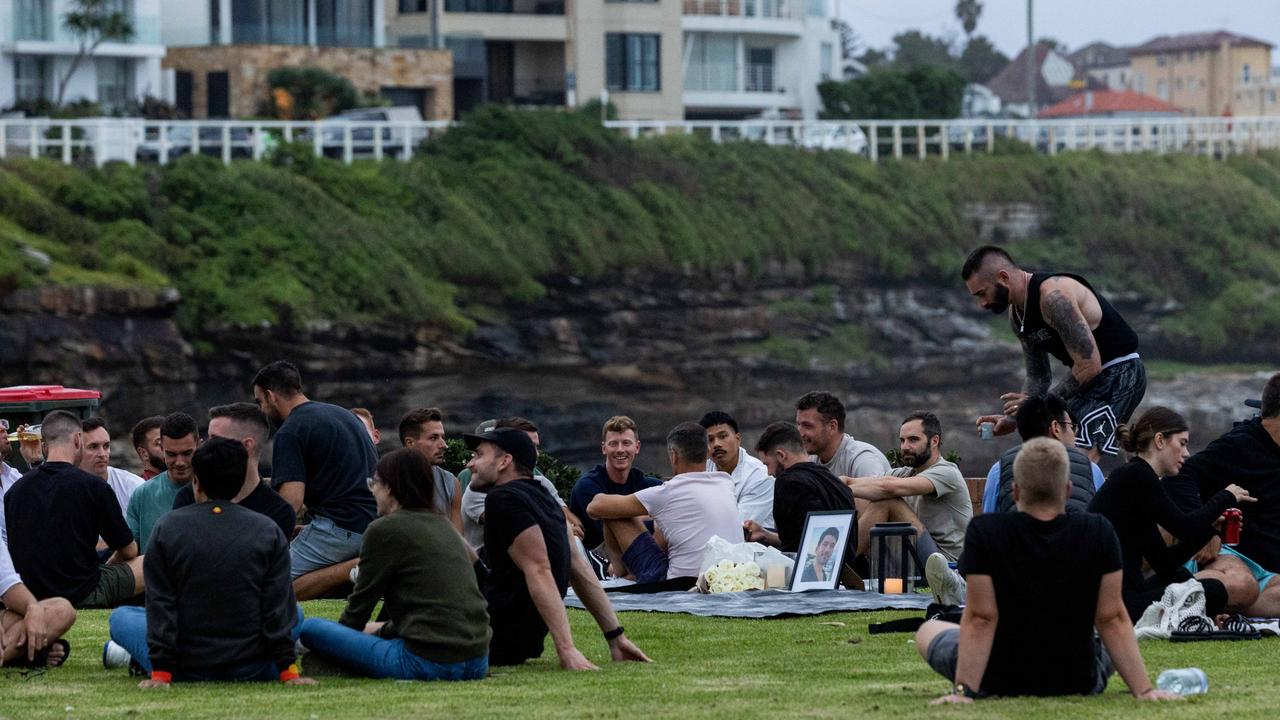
{"x": 822, "y": 548}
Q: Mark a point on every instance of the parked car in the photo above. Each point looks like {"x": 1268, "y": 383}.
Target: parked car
{"x": 180, "y": 140}
{"x": 362, "y": 120}
{"x": 834, "y": 136}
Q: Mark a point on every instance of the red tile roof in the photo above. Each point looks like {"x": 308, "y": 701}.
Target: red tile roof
{"x": 1195, "y": 41}
{"x": 1107, "y": 102}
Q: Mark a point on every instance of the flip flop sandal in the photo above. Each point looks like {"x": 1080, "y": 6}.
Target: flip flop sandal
{"x": 1197, "y": 627}
{"x": 42, "y": 657}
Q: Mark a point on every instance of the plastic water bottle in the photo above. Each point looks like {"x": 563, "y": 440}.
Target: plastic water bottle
{"x": 1184, "y": 681}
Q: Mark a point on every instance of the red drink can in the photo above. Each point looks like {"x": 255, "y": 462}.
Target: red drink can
{"x": 1231, "y": 530}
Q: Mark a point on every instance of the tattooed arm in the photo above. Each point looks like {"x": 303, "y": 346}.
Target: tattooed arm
{"x": 1039, "y": 373}
{"x": 1062, "y": 313}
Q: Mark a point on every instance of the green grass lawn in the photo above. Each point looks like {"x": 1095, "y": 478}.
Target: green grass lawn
{"x": 704, "y": 668}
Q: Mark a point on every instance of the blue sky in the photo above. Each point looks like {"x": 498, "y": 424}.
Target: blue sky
{"x": 1074, "y": 22}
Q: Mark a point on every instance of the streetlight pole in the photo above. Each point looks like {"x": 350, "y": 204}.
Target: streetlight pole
{"x": 1031, "y": 64}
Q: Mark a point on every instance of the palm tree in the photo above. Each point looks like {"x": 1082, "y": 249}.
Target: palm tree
{"x": 93, "y": 22}
{"x": 968, "y": 11}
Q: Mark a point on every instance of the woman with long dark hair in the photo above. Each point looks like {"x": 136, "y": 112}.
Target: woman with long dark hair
{"x": 437, "y": 625}
{"x": 1138, "y": 506}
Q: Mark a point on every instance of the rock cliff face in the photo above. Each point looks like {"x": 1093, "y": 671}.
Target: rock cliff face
{"x": 661, "y": 348}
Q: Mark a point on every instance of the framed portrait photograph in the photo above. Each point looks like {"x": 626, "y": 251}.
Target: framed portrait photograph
{"x": 822, "y": 548}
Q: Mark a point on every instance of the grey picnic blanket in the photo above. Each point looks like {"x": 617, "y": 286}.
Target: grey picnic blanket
{"x": 761, "y": 603}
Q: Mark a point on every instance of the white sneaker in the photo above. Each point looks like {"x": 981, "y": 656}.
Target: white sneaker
{"x": 946, "y": 584}
{"x": 114, "y": 656}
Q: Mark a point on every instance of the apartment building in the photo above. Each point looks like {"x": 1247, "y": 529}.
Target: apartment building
{"x": 1107, "y": 65}
{"x": 757, "y": 58}
{"x": 553, "y": 52}
{"x": 37, "y": 52}
{"x": 1213, "y": 73}
{"x": 220, "y": 53}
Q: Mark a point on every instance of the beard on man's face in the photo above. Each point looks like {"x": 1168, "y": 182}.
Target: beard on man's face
{"x": 1001, "y": 302}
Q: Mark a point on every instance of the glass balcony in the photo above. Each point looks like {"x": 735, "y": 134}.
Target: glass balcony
{"x": 769, "y": 9}
{"x": 518, "y": 7}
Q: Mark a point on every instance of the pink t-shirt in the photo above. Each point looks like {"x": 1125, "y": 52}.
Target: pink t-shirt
{"x": 689, "y": 509}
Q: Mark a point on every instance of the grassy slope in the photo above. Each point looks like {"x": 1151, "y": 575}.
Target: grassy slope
{"x": 707, "y": 667}
{"x": 512, "y": 197}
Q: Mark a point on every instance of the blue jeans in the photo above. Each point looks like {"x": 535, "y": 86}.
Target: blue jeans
{"x": 128, "y": 627}
{"x": 322, "y": 544}
{"x": 381, "y": 658}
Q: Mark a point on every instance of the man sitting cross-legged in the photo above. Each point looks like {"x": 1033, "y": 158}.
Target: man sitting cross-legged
{"x": 928, "y": 492}
{"x": 1014, "y": 640}
{"x": 801, "y": 487}
{"x": 30, "y": 630}
{"x": 527, "y": 545}
{"x": 687, "y": 510}
{"x": 54, "y": 516}
{"x": 220, "y": 604}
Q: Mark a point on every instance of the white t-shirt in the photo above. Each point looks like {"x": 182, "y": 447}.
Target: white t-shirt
{"x": 855, "y": 458}
{"x": 123, "y": 483}
{"x": 689, "y": 509}
{"x": 8, "y": 575}
{"x": 753, "y": 488}
{"x": 473, "y": 510}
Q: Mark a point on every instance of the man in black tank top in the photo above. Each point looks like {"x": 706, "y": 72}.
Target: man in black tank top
{"x": 1060, "y": 314}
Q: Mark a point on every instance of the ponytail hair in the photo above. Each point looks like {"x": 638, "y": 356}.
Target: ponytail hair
{"x": 1136, "y": 437}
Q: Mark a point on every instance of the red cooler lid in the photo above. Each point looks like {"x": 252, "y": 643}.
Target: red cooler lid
{"x": 45, "y": 393}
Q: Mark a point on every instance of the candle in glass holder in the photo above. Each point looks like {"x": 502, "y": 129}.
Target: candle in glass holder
{"x": 892, "y": 586}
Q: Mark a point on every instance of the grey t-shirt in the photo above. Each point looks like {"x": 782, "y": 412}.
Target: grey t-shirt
{"x": 855, "y": 458}
{"x": 947, "y": 512}
{"x": 446, "y": 488}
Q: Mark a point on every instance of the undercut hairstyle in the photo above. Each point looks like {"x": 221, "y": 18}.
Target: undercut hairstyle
{"x": 138, "y": 435}
{"x": 177, "y": 426}
{"x": 1037, "y": 414}
{"x": 689, "y": 442}
{"x": 979, "y": 257}
{"x": 1041, "y": 472}
{"x": 363, "y": 413}
{"x": 516, "y": 422}
{"x": 58, "y": 427}
{"x": 618, "y": 424}
{"x": 827, "y": 405}
{"x": 1137, "y": 436}
{"x": 92, "y": 424}
{"x": 280, "y": 377}
{"x": 831, "y": 532}
{"x": 932, "y": 425}
{"x": 783, "y": 435}
{"x": 718, "y": 417}
{"x": 411, "y": 424}
{"x": 248, "y": 419}
{"x": 219, "y": 464}
{"x": 1271, "y": 397}
{"x": 407, "y": 475}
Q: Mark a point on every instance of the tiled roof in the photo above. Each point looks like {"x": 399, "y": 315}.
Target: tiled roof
{"x": 1195, "y": 41}
{"x": 1106, "y": 102}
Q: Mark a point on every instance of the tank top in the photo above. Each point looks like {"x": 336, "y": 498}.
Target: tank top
{"x": 1113, "y": 336}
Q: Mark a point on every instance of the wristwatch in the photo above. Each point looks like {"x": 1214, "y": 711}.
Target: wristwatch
{"x": 966, "y": 691}
{"x": 614, "y": 633}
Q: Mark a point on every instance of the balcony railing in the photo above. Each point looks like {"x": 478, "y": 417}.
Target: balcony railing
{"x": 30, "y": 24}
{"x": 759, "y": 77}
{"x": 769, "y": 9}
{"x": 514, "y": 7}
{"x": 713, "y": 77}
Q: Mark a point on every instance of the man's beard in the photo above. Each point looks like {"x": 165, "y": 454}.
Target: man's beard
{"x": 912, "y": 460}
{"x": 157, "y": 463}
{"x": 1002, "y": 300}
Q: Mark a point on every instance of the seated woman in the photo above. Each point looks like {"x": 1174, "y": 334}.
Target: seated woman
{"x": 414, "y": 560}
{"x": 1138, "y": 506}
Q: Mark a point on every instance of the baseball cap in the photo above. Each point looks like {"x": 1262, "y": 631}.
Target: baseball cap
{"x": 512, "y": 441}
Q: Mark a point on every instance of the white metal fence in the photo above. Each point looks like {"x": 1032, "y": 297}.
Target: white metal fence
{"x": 99, "y": 140}
{"x": 880, "y": 139}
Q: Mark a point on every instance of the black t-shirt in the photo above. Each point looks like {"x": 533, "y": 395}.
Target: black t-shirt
{"x": 1247, "y": 456}
{"x": 804, "y": 488}
{"x": 328, "y": 449}
{"x": 510, "y": 509}
{"x": 263, "y": 500}
{"x": 1046, "y": 576}
{"x": 1137, "y": 505}
{"x": 55, "y": 515}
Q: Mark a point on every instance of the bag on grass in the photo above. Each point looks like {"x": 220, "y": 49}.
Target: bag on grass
{"x": 1180, "y": 601}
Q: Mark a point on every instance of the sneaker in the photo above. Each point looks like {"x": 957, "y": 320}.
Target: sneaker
{"x": 115, "y": 656}
{"x": 947, "y": 585}
{"x": 599, "y": 565}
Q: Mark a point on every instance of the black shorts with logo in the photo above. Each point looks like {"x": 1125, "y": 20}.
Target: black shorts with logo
{"x": 1107, "y": 402}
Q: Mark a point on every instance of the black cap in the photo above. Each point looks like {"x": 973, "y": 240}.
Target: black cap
{"x": 512, "y": 441}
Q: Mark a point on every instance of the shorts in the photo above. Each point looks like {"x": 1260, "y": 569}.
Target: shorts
{"x": 944, "y": 651}
{"x": 322, "y": 544}
{"x": 646, "y": 561}
{"x": 1107, "y": 402}
{"x": 1261, "y": 574}
{"x": 115, "y": 585}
